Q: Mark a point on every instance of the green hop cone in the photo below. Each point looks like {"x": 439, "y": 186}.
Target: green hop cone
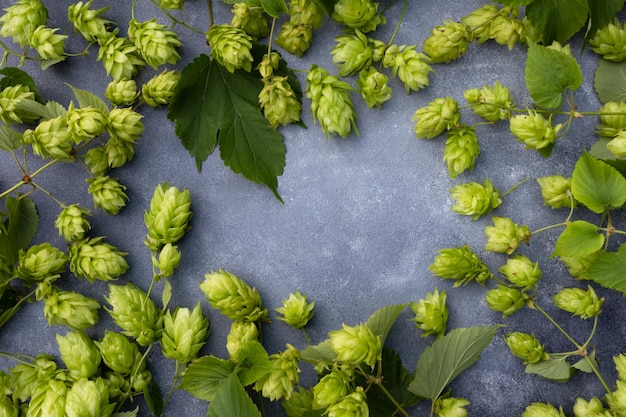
{"x": 294, "y": 38}
{"x": 578, "y": 265}
{"x": 268, "y": 65}
{"x": 168, "y": 260}
{"x": 591, "y": 408}
{"x": 620, "y": 366}
{"x": 279, "y": 102}
{"x": 610, "y": 42}
{"x": 47, "y": 43}
{"x": 447, "y": 42}
{"x": 331, "y": 104}
{"x": 305, "y": 12}
{"x": 373, "y": 86}
{"x": 451, "y": 407}
{"x": 358, "y": 14}
{"x": 521, "y": 272}
{"x": 534, "y": 130}
{"x": 526, "y": 347}
{"x": 160, "y": 88}
{"x": 51, "y": 139}
{"x": 231, "y": 47}
{"x": 491, "y": 103}
{"x": 121, "y": 92}
{"x": 240, "y": 333}
{"x": 141, "y": 381}
{"x": 542, "y": 410}
{"x": 431, "y": 313}
{"x": 556, "y": 191}
{"x": 94, "y": 259}
{"x": 461, "y": 265}
{"x": 40, "y": 262}
{"x": 479, "y": 22}
{"x": 438, "y": 116}
{"x": 612, "y": 119}
{"x": 507, "y": 29}
{"x": 72, "y": 222}
{"x": 120, "y": 57}
{"x": 461, "y": 150}
{"x": 79, "y": 354}
{"x": 118, "y": 152}
{"x": 296, "y": 311}
{"x": 284, "y": 376}
{"x": 505, "y": 236}
{"x": 352, "y": 405}
{"x": 97, "y": 161}
{"x": 184, "y": 333}
{"x": 167, "y": 220}
{"x": 9, "y": 408}
{"x": 356, "y": 345}
{"x": 125, "y": 125}
{"x": 299, "y": 403}
{"x": 117, "y": 384}
{"x": 233, "y": 297}
{"x": 410, "y": 66}
{"x": 332, "y": 387}
{"x": 71, "y": 309}
{"x": 616, "y": 400}
{"x": 505, "y": 300}
{"x": 172, "y": 4}
{"x": 107, "y": 193}
{"x": 85, "y": 123}
{"x": 25, "y": 377}
{"x": 21, "y": 19}
{"x": 120, "y": 354}
{"x": 87, "y": 398}
{"x": 48, "y": 400}
{"x": 154, "y": 41}
{"x": 10, "y": 99}
{"x": 617, "y": 145}
{"x": 581, "y": 303}
{"x": 135, "y": 312}
{"x": 475, "y": 199}
{"x": 251, "y": 20}
{"x": 352, "y": 53}
{"x": 88, "y": 22}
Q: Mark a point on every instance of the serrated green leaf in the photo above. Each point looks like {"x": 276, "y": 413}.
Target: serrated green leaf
{"x": 88, "y": 99}
{"x": 205, "y": 375}
{"x": 34, "y": 109}
{"x": 579, "y": 238}
{"x": 231, "y": 400}
{"x": 131, "y": 413}
{"x": 610, "y": 81}
{"x": 21, "y": 226}
{"x": 15, "y": 76}
{"x": 274, "y": 8}
{"x": 47, "y": 63}
{"x": 609, "y": 270}
{"x": 382, "y": 320}
{"x": 322, "y": 352}
{"x": 601, "y": 12}
{"x": 549, "y": 73}
{"x": 600, "y": 151}
{"x": 213, "y": 106}
{"x": 254, "y": 362}
{"x": 583, "y": 364}
{"x": 557, "y": 20}
{"x": 10, "y": 139}
{"x": 447, "y": 357}
{"x": 556, "y": 368}
{"x": 597, "y": 185}
{"x": 154, "y": 399}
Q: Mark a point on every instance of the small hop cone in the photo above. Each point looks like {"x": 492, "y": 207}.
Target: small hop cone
{"x": 40, "y": 262}
{"x": 279, "y": 102}
{"x": 125, "y": 125}
{"x": 526, "y": 347}
{"x": 294, "y": 38}
{"x": 505, "y": 300}
{"x": 117, "y": 384}
{"x": 331, "y": 104}
{"x": 461, "y": 150}
{"x": 85, "y": 123}
{"x": 542, "y": 410}
{"x": 88, "y": 398}
{"x": 591, "y": 408}
{"x": 122, "y": 92}
{"x": 72, "y": 222}
{"x": 612, "y": 119}
{"x": 47, "y": 43}
{"x": 160, "y": 88}
{"x": 353, "y": 405}
{"x": 578, "y": 265}
{"x": 410, "y": 66}
{"x": 252, "y": 20}
{"x": 268, "y": 65}
{"x": 141, "y": 381}
{"x": 120, "y": 57}
{"x": 491, "y": 103}
{"x": 479, "y": 22}
{"x": 233, "y": 297}
{"x": 438, "y": 116}
{"x": 431, "y": 313}
{"x": 451, "y": 407}
{"x": 581, "y": 303}
{"x": 88, "y": 22}
{"x": 120, "y": 354}
{"x": 135, "y": 312}
{"x": 299, "y": 403}
{"x": 332, "y": 387}
{"x": 610, "y": 42}
{"x": 521, "y": 272}
{"x": 356, "y": 345}
{"x": 556, "y": 191}
{"x": 167, "y": 220}
{"x": 620, "y": 366}
{"x": 617, "y": 145}
{"x": 231, "y": 47}
{"x": 304, "y": 12}
{"x": 107, "y": 193}
{"x": 507, "y": 29}
{"x": 168, "y": 260}
{"x": 616, "y": 400}
{"x": 79, "y": 354}
{"x": 51, "y": 139}
{"x": 93, "y": 259}
{"x": 21, "y": 19}
{"x": 475, "y": 199}
{"x": 155, "y": 42}
{"x": 447, "y": 42}
{"x": 352, "y": 53}
{"x": 505, "y": 236}
{"x": 97, "y": 160}
{"x": 25, "y": 377}
{"x": 296, "y": 311}
{"x": 172, "y": 4}
{"x": 184, "y": 333}
{"x": 373, "y": 86}
{"x": 48, "y": 400}
{"x": 461, "y": 265}
{"x": 240, "y": 333}
{"x": 10, "y": 99}
{"x": 71, "y": 309}
{"x": 534, "y": 130}
{"x": 118, "y": 152}
{"x": 357, "y": 14}
{"x": 284, "y": 376}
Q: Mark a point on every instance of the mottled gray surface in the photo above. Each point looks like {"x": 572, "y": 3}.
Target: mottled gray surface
{"x": 363, "y": 217}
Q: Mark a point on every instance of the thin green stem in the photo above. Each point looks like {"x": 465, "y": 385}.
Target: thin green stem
{"x": 552, "y": 226}
{"x": 48, "y": 193}
{"x": 395, "y": 402}
{"x": 210, "y": 7}
{"x": 175, "y": 20}
{"x": 306, "y": 336}
{"x": 593, "y": 331}
{"x": 174, "y": 382}
{"x": 513, "y": 188}
{"x": 271, "y": 38}
{"x": 557, "y": 325}
{"x": 397, "y": 29}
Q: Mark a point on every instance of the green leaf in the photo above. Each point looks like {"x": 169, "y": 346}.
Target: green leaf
{"x": 601, "y": 12}
{"x": 166, "y": 295}
{"x": 327, "y": 5}
{"x": 579, "y": 238}
{"x": 600, "y": 151}
{"x": 549, "y": 73}
{"x": 21, "y": 226}
{"x": 609, "y": 270}
{"x": 15, "y": 76}
{"x": 88, "y": 99}
{"x": 556, "y": 368}
{"x": 10, "y": 139}
{"x": 254, "y": 362}
{"x": 447, "y": 357}
{"x": 610, "y": 81}
{"x": 557, "y": 20}
{"x": 583, "y": 364}
{"x": 154, "y": 398}
{"x": 131, "y": 413}
{"x": 213, "y": 106}
{"x": 597, "y": 185}
{"x": 322, "y": 352}
{"x": 381, "y": 321}
{"x": 274, "y": 8}
{"x": 231, "y": 400}
{"x": 35, "y": 109}
{"x": 205, "y": 375}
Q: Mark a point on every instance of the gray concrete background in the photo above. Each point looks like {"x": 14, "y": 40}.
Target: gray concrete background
{"x": 363, "y": 216}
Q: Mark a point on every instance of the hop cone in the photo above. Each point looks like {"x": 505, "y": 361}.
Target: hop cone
{"x": 617, "y": 145}
{"x": 87, "y": 21}
{"x": 352, "y": 53}
{"x": 439, "y": 115}
{"x": 352, "y": 405}
{"x": 119, "y": 57}
{"x": 168, "y": 260}
{"x": 184, "y": 333}
{"x": 93, "y": 259}
{"x": 410, "y": 66}
{"x": 155, "y": 42}
{"x": 120, "y": 354}
{"x": 612, "y": 119}
{"x": 461, "y": 265}
{"x": 122, "y": 92}
{"x": 431, "y": 313}
{"x": 230, "y": 46}
{"x": 332, "y": 387}
{"x": 475, "y": 199}
{"x": 279, "y": 102}
{"x": 580, "y": 303}
{"x": 356, "y": 345}
{"x": 48, "y": 400}
{"x": 172, "y": 4}
{"x": 25, "y": 377}
{"x": 505, "y": 300}
{"x": 252, "y": 20}
{"x": 294, "y": 38}
{"x": 40, "y": 262}
{"x": 373, "y": 86}
{"x": 447, "y": 42}
{"x": 305, "y": 12}
{"x": 296, "y": 311}
{"x": 51, "y": 139}
{"x": 610, "y": 42}
{"x": 107, "y": 193}
{"x": 492, "y": 103}
{"x": 47, "y": 43}
{"x": 461, "y": 150}
{"x": 526, "y": 347}
{"x": 507, "y": 29}
{"x": 543, "y": 410}
{"x": 233, "y": 297}
{"x": 240, "y": 333}
{"x": 479, "y": 22}
{"x": 79, "y": 354}
{"x": 521, "y": 272}
{"x": 21, "y": 19}
{"x": 71, "y": 309}
{"x": 10, "y": 98}
{"x": 85, "y": 123}
{"x": 160, "y": 88}
{"x": 72, "y": 222}
{"x": 505, "y": 236}
{"x": 284, "y": 376}
{"x": 534, "y": 130}
{"x": 125, "y": 124}
{"x": 358, "y": 14}
{"x": 88, "y": 398}
{"x": 167, "y": 220}
{"x": 97, "y": 160}
{"x": 451, "y": 407}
